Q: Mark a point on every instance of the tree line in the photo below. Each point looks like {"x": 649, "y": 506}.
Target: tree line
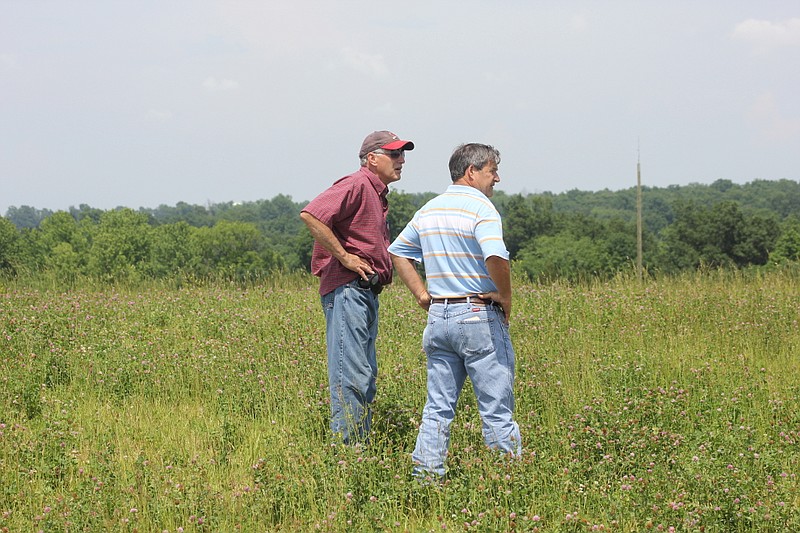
{"x": 575, "y": 235}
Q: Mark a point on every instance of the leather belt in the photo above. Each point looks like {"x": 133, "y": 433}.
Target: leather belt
{"x": 463, "y": 300}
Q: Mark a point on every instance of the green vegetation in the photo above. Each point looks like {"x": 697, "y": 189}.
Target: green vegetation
{"x": 669, "y": 405}
{"x": 570, "y": 236}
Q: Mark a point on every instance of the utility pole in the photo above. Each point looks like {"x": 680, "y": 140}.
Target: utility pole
{"x": 638, "y": 214}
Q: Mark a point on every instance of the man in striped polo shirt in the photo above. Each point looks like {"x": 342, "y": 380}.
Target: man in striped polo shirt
{"x": 349, "y": 226}
{"x": 458, "y": 237}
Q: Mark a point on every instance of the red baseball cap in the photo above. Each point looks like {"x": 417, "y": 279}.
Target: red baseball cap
{"x": 383, "y": 139}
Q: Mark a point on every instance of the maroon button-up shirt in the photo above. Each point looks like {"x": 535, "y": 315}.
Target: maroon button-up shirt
{"x": 355, "y": 208}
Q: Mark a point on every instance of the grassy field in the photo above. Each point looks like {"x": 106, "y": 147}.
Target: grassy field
{"x": 667, "y": 406}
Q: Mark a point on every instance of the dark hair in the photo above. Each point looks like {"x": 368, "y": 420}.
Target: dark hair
{"x": 475, "y": 154}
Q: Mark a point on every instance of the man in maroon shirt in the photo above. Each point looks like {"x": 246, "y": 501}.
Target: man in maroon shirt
{"x": 351, "y": 237}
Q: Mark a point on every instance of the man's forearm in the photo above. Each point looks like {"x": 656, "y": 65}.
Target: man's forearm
{"x": 323, "y": 235}
{"x": 500, "y": 272}
{"x": 326, "y": 238}
{"x": 407, "y": 272}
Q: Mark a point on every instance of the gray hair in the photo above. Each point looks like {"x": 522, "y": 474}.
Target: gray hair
{"x": 475, "y": 154}
{"x": 375, "y": 151}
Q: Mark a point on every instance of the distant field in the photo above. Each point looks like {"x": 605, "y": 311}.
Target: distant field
{"x": 667, "y": 406}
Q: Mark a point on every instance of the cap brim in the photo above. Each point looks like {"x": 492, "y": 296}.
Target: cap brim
{"x": 399, "y": 145}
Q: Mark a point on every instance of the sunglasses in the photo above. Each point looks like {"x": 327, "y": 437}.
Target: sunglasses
{"x": 394, "y": 154}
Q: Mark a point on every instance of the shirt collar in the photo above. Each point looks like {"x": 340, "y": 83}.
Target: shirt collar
{"x": 466, "y": 189}
{"x": 379, "y": 186}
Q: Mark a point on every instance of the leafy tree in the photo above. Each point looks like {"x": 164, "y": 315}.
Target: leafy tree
{"x": 85, "y": 212}
{"x": 172, "y": 249}
{"x": 280, "y": 216}
{"x": 656, "y": 212}
{"x": 61, "y": 231}
{"x": 120, "y": 246}
{"x": 686, "y": 243}
{"x": 724, "y": 233}
{"x": 402, "y": 207}
{"x": 722, "y": 185}
{"x": 675, "y": 255}
{"x": 304, "y": 246}
{"x": 619, "y": 245}
{"x": 720, "y": 224}
{"x": 194, "y": 215}
{"x": 561, "y": 256}
{"x": 787, "y": 246}
{"x": 26, "y": 216}
{"x": 233, "y": 250}
{"x": 781, "y": 197}
{"x": 760, "y": 235}
{"x": 401, "y": 211}
{"x": 9, "y": 247}
{"x": 65, "y": 263}
{"x": 581, "y": 225}
{"x": 524, "y": 219}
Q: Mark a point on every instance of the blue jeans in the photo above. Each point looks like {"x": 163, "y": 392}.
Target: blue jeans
{"x": 463, "y": 340}
{"x": 351, "y": 318}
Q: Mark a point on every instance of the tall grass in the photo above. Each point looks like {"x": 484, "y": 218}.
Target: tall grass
{"x": 670, "y": 405}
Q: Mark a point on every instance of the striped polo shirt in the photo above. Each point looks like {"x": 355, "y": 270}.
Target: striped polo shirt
{"x": 453, "y": 235}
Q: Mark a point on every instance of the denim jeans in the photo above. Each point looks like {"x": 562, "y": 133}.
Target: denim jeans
{"x": 463, "y": 340}
{"x": 351, "y": 318}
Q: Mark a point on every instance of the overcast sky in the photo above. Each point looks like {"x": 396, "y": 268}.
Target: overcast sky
{"x": 147, "y": 102}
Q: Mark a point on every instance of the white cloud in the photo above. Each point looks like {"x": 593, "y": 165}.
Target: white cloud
{"x": 765, "y": 34}
{"x": 158, "y": 115}
{"x": 373, "y": 64}
{"x": 8, "y": 60}
{"x": 387, "y": 108}
{"x": 767, "y": 116}
{"x": 213, "y": 84}
{"x": 579, "y": 23}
